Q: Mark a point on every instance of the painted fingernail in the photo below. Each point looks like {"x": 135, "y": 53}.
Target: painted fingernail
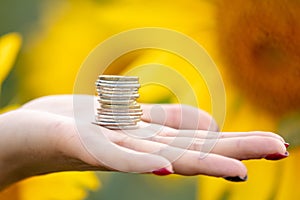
{"x": 236, "y": 178}
{"x": 277, "y": 156}
{"x": 162, "y": 172}
{"x": 286, "y": 144}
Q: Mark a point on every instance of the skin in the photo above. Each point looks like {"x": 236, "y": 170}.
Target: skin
{"x": 43, "y": 137}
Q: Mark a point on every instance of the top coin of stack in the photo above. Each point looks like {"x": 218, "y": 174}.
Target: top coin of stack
{"x": 117, "y": 97}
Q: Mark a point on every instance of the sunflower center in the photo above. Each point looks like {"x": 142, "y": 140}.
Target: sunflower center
{"x": 260, "y": 44}
{"x": 270, "y": 55}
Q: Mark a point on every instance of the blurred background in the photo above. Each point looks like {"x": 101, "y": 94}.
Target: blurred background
{"x": 255, "y": 44}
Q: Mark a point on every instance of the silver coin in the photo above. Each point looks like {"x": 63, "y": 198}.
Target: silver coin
{"x": 128, "y": 115}
{"x": 118, "y": 77}
{"x": 118, "y": 127}
{"x": 125, "y": 110}
{"x": 121, "y": 91}
{"x": 117, "y": 101}
{"x": 110, "y": 122}
{"x": 122, "y": 127}
{"x": 132, "y": 106}
{"x": 128, "y": 127}
{"x": 118, "y": 113}
{"x": 116, "y": 90}
{"x": 111, "y": 94}
{"x": 117, "y": 85}
{"x": 115, "y": 123}
{"x": 117, "y": 82}
{"x": 117, "y": 117}
{"x": 138, "y": 114}
{"x": 114, "y": 96}
{"x": 127, "y": 99}
{"x": 129, "y": 121}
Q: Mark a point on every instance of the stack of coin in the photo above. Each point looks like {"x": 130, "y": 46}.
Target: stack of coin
{"x": 117, "y": 97}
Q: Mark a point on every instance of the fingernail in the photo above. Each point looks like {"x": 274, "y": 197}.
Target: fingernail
{"x": 162, "y": 172}
{"x": 286, "y": 144}
{"x": 277, "y": 156}
{"x": 236, "y": 178}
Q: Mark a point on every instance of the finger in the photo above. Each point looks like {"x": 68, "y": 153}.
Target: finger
{"x": 187, "y": 162}
{"x": 178, "y": 116}
{"x": 257, "y": 144}
{"x": 242, "y": 148}
{"x": 212, "y": 165}
{"x": 100, "y": 151}
{"x": 202, "y": 134}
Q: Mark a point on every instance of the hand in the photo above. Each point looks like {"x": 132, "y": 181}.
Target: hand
{"x": 43, "y": 136}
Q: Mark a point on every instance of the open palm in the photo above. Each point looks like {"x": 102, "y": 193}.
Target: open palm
{"x": 52, "y": 134}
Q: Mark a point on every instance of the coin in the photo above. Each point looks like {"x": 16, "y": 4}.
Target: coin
{"x": 117, "y": 85}
{"x": 117, "y": 77}
{"x": 124, "y": 91}
{"x": 117, "y": 117}
{"x": 116, "y": 82}
{"x": 128, "y": 127}
{"x": 116, "y": 90}
{"x": 105, "y": 123}
{"x": 113, "y": 96}
{"x": 121, "y": 106}
{"x": 117, "y": 97}
{"x": 117, "y": 101}
{"x": 135, "y": 112}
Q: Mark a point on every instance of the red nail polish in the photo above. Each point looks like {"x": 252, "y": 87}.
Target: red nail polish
{"x": 286, "y": 144}
{"x": 277, "y": 156}
{"x": 162, "y": 172}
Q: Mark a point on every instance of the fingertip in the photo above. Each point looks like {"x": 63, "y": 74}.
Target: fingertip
{"x": 236, "y": 172}
{"x": 241, "y": 169}
{"x": 286, "y": 144}
{"x": 164, "y": 165}
{"x": 277, "y": 156}
{"x": 164, "y": 171}
{"x": 158, "y": 165}
{"x": 236, "y": 178}
{"x": 276, "y": 146}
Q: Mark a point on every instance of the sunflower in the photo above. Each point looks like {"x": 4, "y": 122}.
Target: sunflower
{"x": 258, "y": 44}
{"x": 262, "y": 51}
{"x": 73, "y": 184}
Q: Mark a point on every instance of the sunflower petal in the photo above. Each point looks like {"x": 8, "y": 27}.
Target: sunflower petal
{"x": 289, "y": 179}
{"x": 9, "y": 47}
{"x": 261, "y": 182}
{"x": 66, "y": 185}
{"x": 211, "y": 188}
